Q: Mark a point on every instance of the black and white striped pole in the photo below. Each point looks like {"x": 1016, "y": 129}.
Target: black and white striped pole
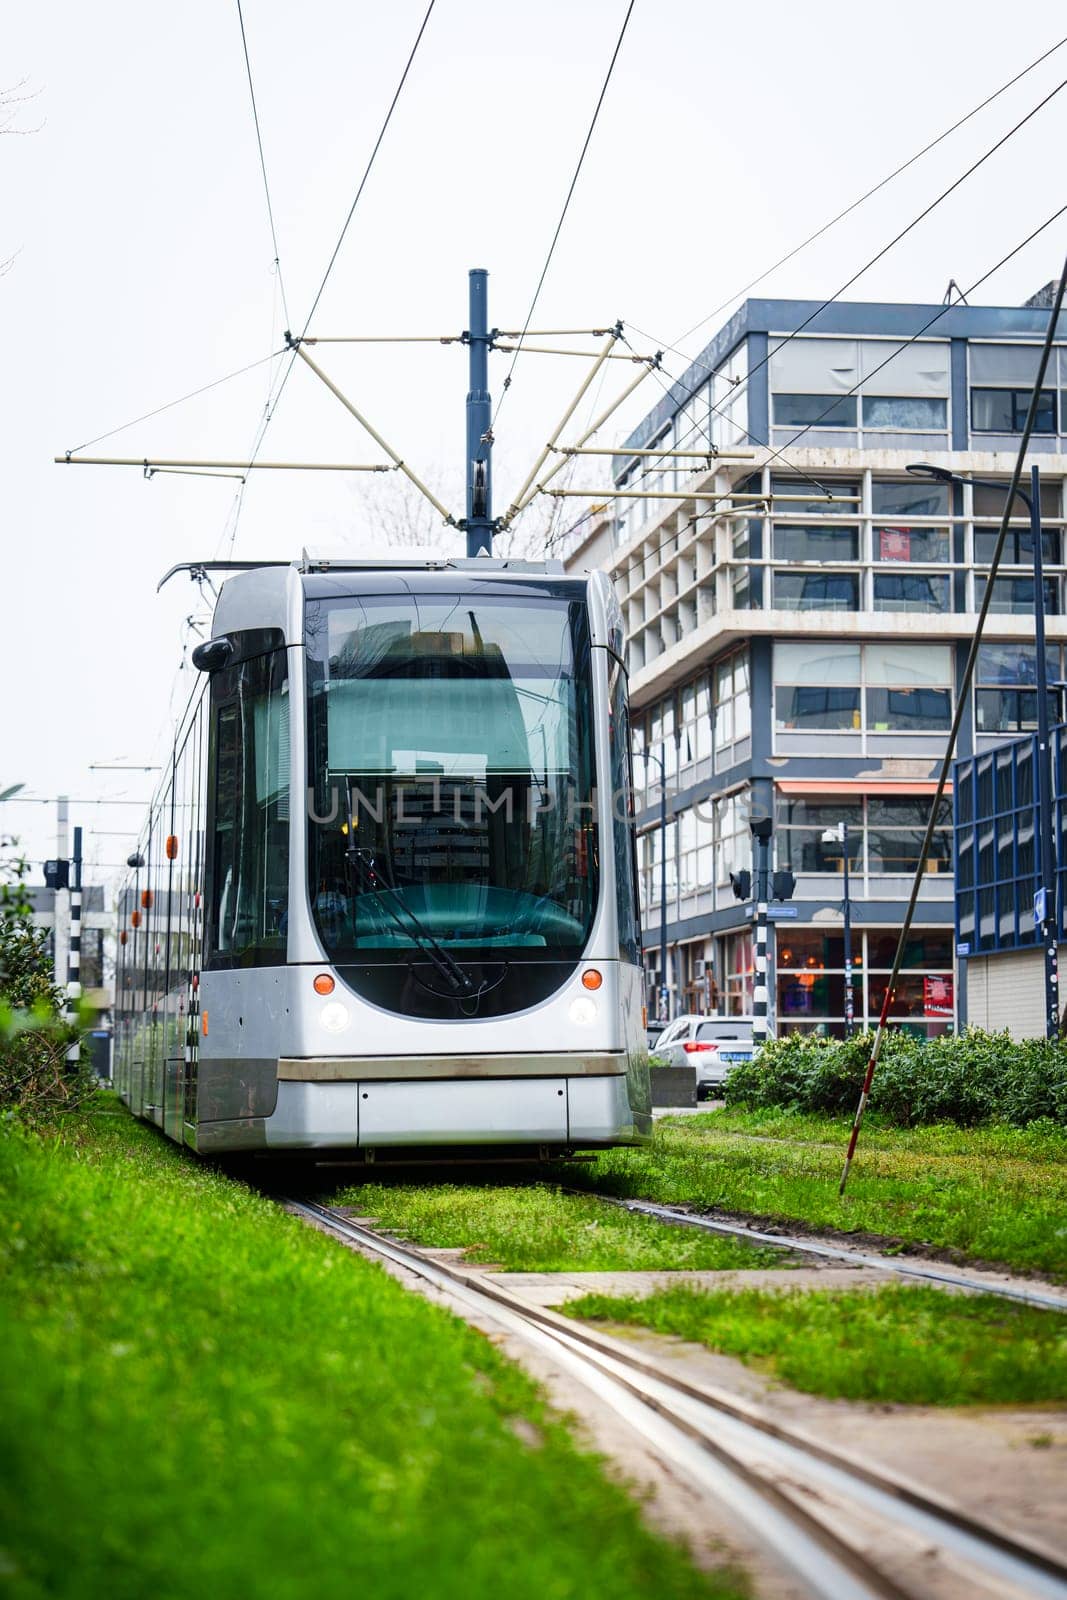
{"x": 74, "y": 952}
{"x": 761, "y": 828}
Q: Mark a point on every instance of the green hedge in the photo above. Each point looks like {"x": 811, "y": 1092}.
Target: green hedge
{"x": 967, "y": 1078}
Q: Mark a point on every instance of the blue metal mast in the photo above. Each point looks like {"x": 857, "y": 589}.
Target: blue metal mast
{"x": 479, "y": 519}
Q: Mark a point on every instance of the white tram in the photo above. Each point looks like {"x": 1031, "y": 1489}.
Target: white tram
{"x": 386, "y": 894}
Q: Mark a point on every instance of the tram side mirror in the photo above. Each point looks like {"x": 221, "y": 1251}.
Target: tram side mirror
{"x": 213, "y": 654}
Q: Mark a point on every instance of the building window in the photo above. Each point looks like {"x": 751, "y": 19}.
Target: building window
{"x": 1005, "y": 410}
{"x": 799, "y": 497}
{"x": 733, "y": 848}
{"x": 738, "y": 973}
{"x": 1015, "y": 596}
{"x": 801, "y": 824}
{"x": 900, "y": 498}
{"x": 896, "y": 829}
{"x": 814, "y": 411}
{"x": 905, "y": 413}
{"x": 886, "y": 834}
{"x": 661, "y": 740}
{"x": 864, "y": 689}
{"x": 696, "y": 840}
{"x": 816, "y": 591}
{"x": 817, "y": 686}
{"x": 1005, "y": 699}
{"x": 795, "y": 541}
{"x": 732, "y": 710}
{"x": 910, "y": 591}
{"x": 695, "y": 725}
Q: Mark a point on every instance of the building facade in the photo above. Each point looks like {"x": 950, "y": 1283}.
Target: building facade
{"x": 998, "y": 877}
{"x": 799, "y": 610}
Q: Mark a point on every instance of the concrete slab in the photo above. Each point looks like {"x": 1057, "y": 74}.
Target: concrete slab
{"x": 556, "y": 1288}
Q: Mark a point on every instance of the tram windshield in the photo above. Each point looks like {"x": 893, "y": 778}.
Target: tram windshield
{"x": 451, "y": 780}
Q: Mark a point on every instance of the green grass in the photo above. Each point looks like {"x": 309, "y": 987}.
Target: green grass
{"x": 912, "y": 1346}
{"x": 205, "y": 1398}
{"x": 535, "y": 1228}
{"x": 991, "y": 1194}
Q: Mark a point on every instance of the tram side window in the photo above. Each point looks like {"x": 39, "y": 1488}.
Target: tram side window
{"x": 248, "y": 892}
{"x": 623, "y": 826}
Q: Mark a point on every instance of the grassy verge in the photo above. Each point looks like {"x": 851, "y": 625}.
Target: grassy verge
{"x": 913, "y": 1346}
{"x": 535, "y": 1228}
{"x": 204, "y": 1397}
{"x": 990, "y": 1194}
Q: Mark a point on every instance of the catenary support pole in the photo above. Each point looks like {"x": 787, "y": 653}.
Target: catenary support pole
{"x": 479, "y": 521}
{"x": 74, "y": 955}
{"x": 1046, "y": 904}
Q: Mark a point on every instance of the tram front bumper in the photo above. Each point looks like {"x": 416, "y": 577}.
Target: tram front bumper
{"x": 559, "y": 1099}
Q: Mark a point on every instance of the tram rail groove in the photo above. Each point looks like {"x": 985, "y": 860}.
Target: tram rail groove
{"x": 802, "y": 1245}
{"x": 791, "y": 1488}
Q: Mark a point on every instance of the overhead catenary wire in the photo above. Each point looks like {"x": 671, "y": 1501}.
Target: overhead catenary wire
{"x": 566, "y": 207}
{"x": 889, "y": 245}
{"x": 771, "y": 353}
{"x": 867, "y": 195}
{"x": 845, "y": 394}
{"x": 961, "y": 703}
{"x": 294, "y": 343}
{"x": 776, "y": 454}
{"x": 262, "y": 162}
{"x": 170, "y": 404}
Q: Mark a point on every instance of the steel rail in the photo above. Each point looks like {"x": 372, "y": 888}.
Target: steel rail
{"x": 856, "y": 1258}
{"x": 789, "y": 1486}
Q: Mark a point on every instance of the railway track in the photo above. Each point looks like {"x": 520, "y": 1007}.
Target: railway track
{"x": 844, "y": 1527}
{"x": 926, "y": 1271}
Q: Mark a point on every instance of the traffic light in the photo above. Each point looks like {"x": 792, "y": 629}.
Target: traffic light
{"x": 782, "y": 885}
{"x": 741, "y": 884}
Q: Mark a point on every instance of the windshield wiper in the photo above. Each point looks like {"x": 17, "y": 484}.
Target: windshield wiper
{"x": 456, "y": 976}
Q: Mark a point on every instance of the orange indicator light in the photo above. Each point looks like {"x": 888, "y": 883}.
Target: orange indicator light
{"x": 591, "y": 978}
{"x": 323, "y": 984}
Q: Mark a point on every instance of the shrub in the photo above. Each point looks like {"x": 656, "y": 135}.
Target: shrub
{"x": 36, "y": 1079}
{"x": 966, "y": 1078}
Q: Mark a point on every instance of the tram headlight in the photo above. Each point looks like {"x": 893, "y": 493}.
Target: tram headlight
{"x": 334, "y": 1017}
{"x": 582, "y": 1011}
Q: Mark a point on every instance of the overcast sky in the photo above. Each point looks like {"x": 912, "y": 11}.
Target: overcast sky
{"x": 133, "y": 197}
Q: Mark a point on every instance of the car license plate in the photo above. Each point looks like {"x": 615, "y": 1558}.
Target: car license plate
{"x": 733, "y": 1055}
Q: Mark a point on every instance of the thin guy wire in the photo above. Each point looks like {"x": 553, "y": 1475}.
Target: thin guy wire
{"x": 779, "y": 453}
{"x": 742, "y": 387}
{"x": 826, "y": 304}
{"x": 273, "y": 405}
{"x": 192, "y": 395}
{"x": 943, "y": 311}
{"x": 262, "y": 160}
{"x": 918, "y": 335}
{"x": 841, "y": 215}
{"x": 563, "y": 213}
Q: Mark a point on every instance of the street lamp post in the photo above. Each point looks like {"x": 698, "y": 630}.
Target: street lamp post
{"x": 663, "y": 998}
{"x": 1045, "y": 899}
{"x": 839, "y": 835}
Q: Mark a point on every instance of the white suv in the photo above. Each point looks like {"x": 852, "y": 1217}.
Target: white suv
{"x": 713, "y": 1045}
